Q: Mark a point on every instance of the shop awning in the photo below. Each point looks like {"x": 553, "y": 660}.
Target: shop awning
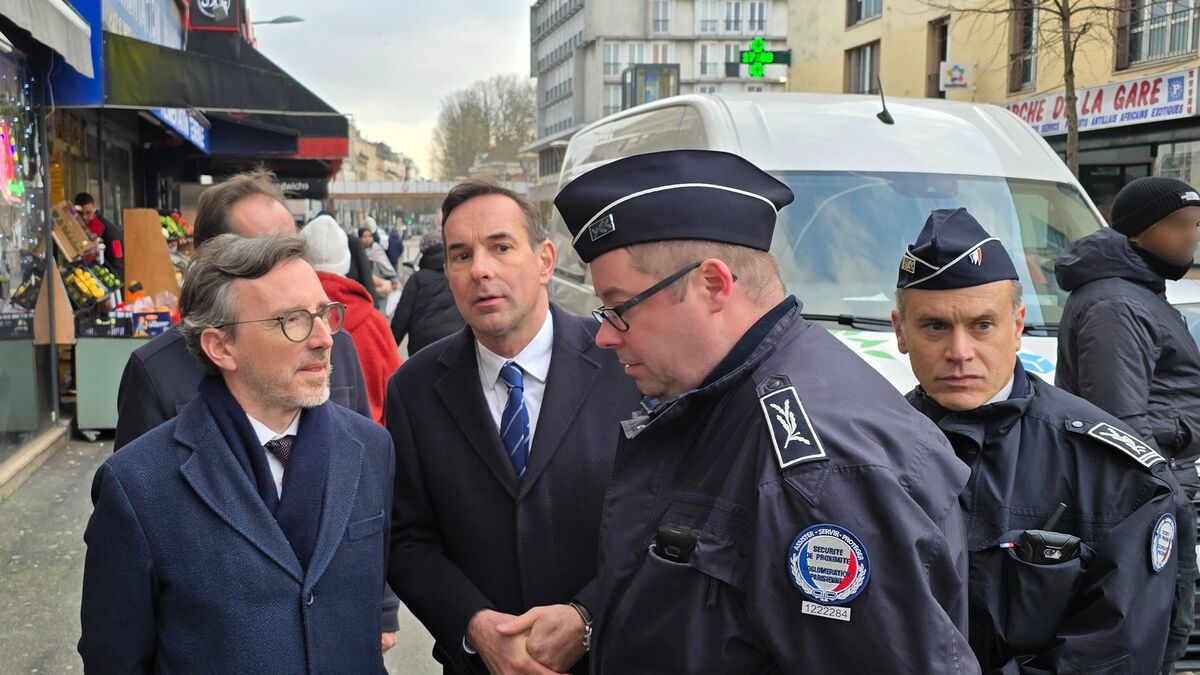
{"x": 57, "y": 25}
{"x": 144, "y": 75}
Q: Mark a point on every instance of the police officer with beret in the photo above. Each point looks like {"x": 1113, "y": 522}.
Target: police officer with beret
{"x": 775, "y": 506}
{"x": 1070, "y": 516}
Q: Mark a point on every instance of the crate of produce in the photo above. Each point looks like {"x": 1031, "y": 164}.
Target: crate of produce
{"x": 26, "y": 294}
{"x": 70, "y": 234}
{"x": 85, "y": 287}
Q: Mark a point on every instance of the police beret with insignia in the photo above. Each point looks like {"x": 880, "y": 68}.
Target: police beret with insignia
{"x": 677, "y": 194}
{"x": 954, "y": 251}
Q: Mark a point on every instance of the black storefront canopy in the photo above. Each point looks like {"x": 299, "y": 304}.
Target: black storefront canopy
{"x": 145, "y": 75}
{"x": 257, "y": 110}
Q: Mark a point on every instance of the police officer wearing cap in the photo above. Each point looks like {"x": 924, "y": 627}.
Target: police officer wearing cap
{"x": 775, "y": 505}
{"x": 1070, "y": 516}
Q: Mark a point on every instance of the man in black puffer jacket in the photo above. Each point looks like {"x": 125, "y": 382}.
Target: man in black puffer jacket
{"x": 1123, "y": 347}
{"x": 426, "y": 312}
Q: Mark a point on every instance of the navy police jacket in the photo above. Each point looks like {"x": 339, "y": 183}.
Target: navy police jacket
{"x": 1104, "y": 610}
{"x": 815, "y": 520}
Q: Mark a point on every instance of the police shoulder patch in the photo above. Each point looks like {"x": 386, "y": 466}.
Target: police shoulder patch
{"x": 1162, "y": 542}
{"x": 828, "y": 564}
{"x": 791, "y": 431}
{"x": 1125, "y": 442}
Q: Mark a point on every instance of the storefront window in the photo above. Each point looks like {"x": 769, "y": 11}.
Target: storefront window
{"x": 26, "y": 368}
{"x": 1182, "y": 161}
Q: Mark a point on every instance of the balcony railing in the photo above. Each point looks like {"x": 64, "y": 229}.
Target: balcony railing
{"x": 1155, "y": 34}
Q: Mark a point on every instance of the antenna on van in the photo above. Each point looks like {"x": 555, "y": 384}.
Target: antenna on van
{"x": 884, "y": 116}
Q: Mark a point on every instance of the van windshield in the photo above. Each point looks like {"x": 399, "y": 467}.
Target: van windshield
{"x": 839, "y": 243}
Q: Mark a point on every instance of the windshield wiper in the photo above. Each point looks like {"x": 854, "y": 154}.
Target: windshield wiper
{"x": 849, "y": 320}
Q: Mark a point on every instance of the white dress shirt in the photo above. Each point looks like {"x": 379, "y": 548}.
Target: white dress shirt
{"x": 534, "y": 360}
{"x": 265, "y": 435}
{"x": 1004, "y": 392}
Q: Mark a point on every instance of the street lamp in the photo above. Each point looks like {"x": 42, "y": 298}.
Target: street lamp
{"x": 286, "y": 18}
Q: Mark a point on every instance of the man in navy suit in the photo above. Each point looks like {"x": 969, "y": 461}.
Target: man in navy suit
{"x": 249, "y": 533}
{"x": 160, "y": 376}
{"x": 505, "y": 435}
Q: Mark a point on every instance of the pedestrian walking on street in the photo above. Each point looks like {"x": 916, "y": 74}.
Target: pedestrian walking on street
{"x": 1123, "y": 347}
{"x": 329, "y": 254}
{"x": 1071, "y": 519}
{"x": 248, "y": 534}
{"x": 776, "y": 506}
{"x": 504, "y": 433}
{"x": 426, "y": 312}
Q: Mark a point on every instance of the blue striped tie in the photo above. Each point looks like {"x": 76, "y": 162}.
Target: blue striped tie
{"x": 514, "y": 423}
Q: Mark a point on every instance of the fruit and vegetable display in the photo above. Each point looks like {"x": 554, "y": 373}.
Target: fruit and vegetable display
{"x": 88, "y": 284}
{"x": 174, "y": 226}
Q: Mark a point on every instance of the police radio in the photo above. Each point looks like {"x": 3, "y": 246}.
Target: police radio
{"x": 1045, "y": 547}
{"x": 674, "y": 544}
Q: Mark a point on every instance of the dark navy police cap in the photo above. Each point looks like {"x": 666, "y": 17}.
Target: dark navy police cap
{"x": 677, "y": 194}
{"x": 954, "y": 251}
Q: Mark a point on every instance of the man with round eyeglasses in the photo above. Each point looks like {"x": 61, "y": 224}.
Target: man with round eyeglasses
{"x": 250, "y": 531}
{"x": 777, "y": 506}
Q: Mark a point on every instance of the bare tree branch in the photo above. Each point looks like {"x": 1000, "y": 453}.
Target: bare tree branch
{"x": 493, "y": 117}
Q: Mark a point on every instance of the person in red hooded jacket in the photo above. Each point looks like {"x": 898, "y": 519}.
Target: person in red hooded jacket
{"x": 328, "y": 251}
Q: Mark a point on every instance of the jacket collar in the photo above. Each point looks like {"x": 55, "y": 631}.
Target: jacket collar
{"x": 752, "y": 349}
{"x": 221, "y": 483}
{"x": 985, "y": 422}
{"x": 569, "y": 381}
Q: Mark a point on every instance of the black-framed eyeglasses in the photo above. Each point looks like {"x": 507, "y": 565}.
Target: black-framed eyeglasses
{"x": 615, "y": 315}
{"x": 297, "y": 324}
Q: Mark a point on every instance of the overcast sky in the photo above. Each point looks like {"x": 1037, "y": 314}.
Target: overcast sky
{"x": 390, "y": 62}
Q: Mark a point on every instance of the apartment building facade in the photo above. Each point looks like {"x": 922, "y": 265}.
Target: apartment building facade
{"x": 580, "y": 49}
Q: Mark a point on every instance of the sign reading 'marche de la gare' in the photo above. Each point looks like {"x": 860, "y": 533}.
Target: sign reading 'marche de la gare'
{"x": 1154, "y": 98}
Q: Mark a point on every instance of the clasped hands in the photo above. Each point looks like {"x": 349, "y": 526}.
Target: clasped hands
{"x": 543, "y": 641}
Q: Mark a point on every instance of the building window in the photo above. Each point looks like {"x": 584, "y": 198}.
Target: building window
{"x": 733, "y": 16}
{"x": 1150, "y": 30}
{"x": 758, "y": 16}
{"x": 660, "y": 52}
{"x": 861, "y": 10}
{"x": 707, "y": 12}
{"x": 612, "y": 99}
{"x": 939, "y": 40}
{"x": 636, "y": 52}
{"x": 754, "y": 88}
{"x": 612, "y": 59}
{"x": 662, "y": 16}
{"x": 862, "y": 69}
{"x": 1022, "y": 45}
{"x": 709, "y": 66}
{"x": 707, "y": 89}
{"x": 733, "y": 53}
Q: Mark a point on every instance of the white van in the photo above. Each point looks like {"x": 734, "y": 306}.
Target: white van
{"x": 863, "y": 191}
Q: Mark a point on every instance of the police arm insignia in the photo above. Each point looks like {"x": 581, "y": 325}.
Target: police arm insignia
{"x": 791, "y": 430}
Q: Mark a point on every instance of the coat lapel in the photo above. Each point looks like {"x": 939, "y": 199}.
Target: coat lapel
{"x": 462, "y": 394}
{"x": 568, "y": 384}
{"x": 223, "y": 485}
{"x": 341, "y": 490}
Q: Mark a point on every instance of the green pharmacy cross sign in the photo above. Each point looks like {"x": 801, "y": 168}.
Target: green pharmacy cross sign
{"x": 758, "y": 57}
